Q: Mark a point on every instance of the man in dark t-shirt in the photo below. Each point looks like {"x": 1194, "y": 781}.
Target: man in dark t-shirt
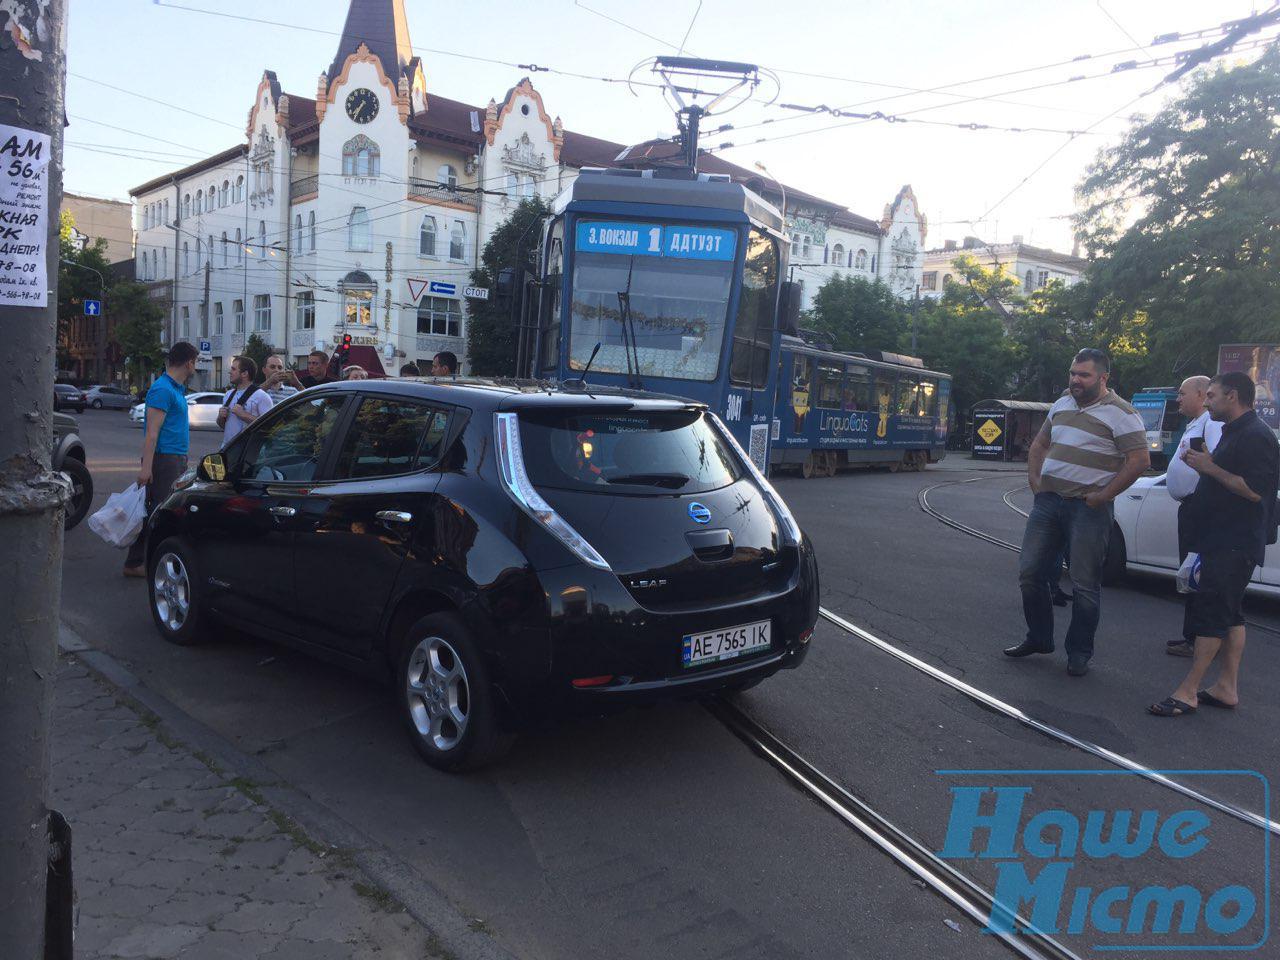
{"x": 317, "y": 371}
{"x": 1233, "y": 516}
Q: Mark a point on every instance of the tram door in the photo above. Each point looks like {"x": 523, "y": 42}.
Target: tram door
{"x": 748, "y": 409}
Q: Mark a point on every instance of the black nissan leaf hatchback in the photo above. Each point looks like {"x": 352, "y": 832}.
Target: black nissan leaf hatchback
{"x": 499, "y": 550}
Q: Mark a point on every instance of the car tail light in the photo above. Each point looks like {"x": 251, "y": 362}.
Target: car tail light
{"x": 506, "y": 430}
{"x": 581, "y": 682}
{"x": 790, "y": 529}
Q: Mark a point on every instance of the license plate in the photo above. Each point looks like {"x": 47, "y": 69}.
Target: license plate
{"x": 725, "y": 644}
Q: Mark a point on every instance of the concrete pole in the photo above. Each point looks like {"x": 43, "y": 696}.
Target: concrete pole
{"x": 32, "y": 93}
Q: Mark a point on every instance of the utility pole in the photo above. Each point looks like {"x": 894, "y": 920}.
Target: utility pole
{"x": 32, "y": 95}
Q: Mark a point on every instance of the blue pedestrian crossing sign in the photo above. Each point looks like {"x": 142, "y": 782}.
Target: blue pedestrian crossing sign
{"x": 93, "y": 308}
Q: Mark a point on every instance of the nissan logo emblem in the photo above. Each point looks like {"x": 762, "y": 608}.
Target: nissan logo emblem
{"x": 698, "y": 513}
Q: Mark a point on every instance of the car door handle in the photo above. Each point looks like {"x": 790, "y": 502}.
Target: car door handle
{"x": 283, "y": 511}
{"x": 394, "y": 516}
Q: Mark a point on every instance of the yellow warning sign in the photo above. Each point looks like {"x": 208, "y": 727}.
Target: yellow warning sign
{"x": 989, "y": 432}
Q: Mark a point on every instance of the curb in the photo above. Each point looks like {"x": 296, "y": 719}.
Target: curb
{"x": 453, "y": 932}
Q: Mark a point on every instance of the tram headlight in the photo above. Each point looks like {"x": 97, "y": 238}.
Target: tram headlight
{"x": 791, "y": 534}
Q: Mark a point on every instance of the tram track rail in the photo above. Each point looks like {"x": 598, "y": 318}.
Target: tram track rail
{"x": 935, "y": 873}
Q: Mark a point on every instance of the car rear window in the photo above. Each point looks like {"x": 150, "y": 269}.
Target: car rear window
{"x": 655, "y": 453}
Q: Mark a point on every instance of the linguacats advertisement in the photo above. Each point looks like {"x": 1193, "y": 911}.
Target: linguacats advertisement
{"x": 1261, "y": 361}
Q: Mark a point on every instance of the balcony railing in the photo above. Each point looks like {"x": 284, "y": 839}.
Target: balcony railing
{"x": 433, "y": 192}
{"x": 303, "y": 186}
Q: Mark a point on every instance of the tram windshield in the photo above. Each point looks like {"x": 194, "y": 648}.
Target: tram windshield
{"x": 661, "y": 292}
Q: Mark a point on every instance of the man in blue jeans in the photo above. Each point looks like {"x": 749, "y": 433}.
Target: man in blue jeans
{"x": 1090, "y": 449}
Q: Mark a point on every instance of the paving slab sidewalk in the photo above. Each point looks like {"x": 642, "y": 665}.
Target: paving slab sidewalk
{"x": 175, "y": 858}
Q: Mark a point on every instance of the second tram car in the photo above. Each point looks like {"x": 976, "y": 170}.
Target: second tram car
{"x": 851, "y": 409}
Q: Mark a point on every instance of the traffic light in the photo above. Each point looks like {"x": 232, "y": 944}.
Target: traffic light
{"x": 344, "y": 351}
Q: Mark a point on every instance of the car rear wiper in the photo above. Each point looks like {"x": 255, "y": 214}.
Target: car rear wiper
{"x": 672, "y": 480}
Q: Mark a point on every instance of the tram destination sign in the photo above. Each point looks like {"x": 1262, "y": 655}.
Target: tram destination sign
{"x": 677, "y": 241}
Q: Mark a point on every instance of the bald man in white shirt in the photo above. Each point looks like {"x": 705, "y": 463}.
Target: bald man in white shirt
{"x": 1181, "y": 482}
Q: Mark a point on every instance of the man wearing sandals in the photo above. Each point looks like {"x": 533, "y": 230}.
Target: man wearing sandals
{"x": 1090, "y": 449}
{"x": 1236, "y": 494}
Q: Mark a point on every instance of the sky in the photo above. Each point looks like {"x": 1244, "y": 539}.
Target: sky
{"x": 200, "y": 71}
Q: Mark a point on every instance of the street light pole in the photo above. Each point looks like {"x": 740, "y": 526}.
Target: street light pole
{"x": 33, "y": 81}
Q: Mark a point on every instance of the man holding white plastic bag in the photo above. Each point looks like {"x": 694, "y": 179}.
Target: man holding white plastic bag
{"x": 1181, "y": 480}
{"x": 165, "y": 443}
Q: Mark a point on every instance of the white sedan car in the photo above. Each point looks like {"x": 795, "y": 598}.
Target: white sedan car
{"x": 1145, "y": 538}
{"x": 202, "y": 410}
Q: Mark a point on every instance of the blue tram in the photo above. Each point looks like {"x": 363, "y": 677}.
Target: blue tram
{"x": 665, "y": 280}
{"x": 845, "y": 409}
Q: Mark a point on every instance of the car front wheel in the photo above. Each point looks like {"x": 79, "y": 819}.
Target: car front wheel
{"x": 175, "y": 593}
{"x": 97, "y": 404}
{"x": 81, "y": 492}
{"x": 444, "y": 696}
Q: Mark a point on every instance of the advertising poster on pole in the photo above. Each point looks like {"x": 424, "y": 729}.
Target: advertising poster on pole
{"x": 1261, "y": 361}
{"x": 24, "y": 217}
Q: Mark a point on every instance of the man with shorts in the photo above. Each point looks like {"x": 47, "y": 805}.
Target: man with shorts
{"x": 1234, "y": 515}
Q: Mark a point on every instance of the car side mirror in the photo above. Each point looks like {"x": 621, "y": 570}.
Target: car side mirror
{"x": 789, "y": 309}
{"x": 214, "y": 468}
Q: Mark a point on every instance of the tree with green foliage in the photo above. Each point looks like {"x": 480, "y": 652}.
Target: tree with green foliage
{"x": 140, "y": 319}
{"x": 491, "y": 333}
{"x": 858, "y": 314}
{"x": 256, "y": 349}
{"x": 1183, "y": 217}
{"x": 79, "y": 271}
{"x": 963, "y": 333}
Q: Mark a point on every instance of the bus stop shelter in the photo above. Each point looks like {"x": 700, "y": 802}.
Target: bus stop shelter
{"x": 1004, "y": 429}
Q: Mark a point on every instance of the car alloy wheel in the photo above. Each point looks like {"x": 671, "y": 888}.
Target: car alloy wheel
{"x": 172, "y": 592}
{"x": 438, "y": 693}
{"x": 97, "y": 404}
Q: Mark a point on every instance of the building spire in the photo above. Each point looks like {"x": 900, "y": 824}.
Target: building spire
{"x": 381, "y": 25}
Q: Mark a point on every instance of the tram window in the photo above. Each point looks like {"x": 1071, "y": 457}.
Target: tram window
{"x": 753, "y": 329}
{"x": 857, "y": 389}
{"x": 829, "y": 377}
{"x": 908, "y": 397}
{"x": 678, "y": 311}
{"x": 884, "y": 392}
{"x": 801, "y": 373}
{"x": 551, "y": 319}
{"x": 928, "y": 398}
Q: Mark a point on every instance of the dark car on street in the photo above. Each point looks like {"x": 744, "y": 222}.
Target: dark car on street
{"x": 68, "y": 456}
{"x": 501, "y": 551}
{"x": 68, "y": 397}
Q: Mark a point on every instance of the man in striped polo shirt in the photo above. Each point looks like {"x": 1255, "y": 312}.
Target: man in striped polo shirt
{"x": 1090, "y": 449}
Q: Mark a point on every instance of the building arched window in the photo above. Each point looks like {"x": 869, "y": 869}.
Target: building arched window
{"x": 186, "y": 205}
{"x": 860, "y": 260}
{"x": 837, "y": 254}
{"x": 199, "y": 207}
{"x": 458, "y": 241}
{"x": 311, "y": 231}
{"x": 262, "y": 238}
{"x": 1030, "y": 281}
{"x": 164, "y": 263}
{"x": 210, "y": 248}
{"x": 211, "y": 198}
{"x": 224, "y": 248}
{"x": 199, "y": 252}
{"x": 427, "y": 237}
{"x": 447, "y": 176}
{"x": 360, "y": 157}
{"x": 237, "y": 194}
{"x": 358, "y": 291}
{"x": 239, "y": 246}
{"x": 165, "y": 217}
{"x": 297, "y": 233}
{"x": 358, "y": 230}
{"x": 224, "y": 195}
{"x": 186, "y": 257}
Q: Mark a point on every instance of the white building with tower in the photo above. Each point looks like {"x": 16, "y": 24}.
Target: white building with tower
{"x": 1033, "y": 267}
{"x": 364, "y": 208}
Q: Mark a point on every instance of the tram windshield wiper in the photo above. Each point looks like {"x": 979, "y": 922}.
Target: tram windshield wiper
{"x": 673, "y": 480}
{"x": 629, "y": 346}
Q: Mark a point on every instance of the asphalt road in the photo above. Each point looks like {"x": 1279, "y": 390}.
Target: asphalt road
{"x": 659, "y": 832}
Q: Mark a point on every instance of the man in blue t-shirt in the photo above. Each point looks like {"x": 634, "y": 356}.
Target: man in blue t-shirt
{"x": 165, "y": 442}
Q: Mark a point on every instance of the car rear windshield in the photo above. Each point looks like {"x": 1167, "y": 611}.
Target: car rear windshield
{"x": 654, "y": 453}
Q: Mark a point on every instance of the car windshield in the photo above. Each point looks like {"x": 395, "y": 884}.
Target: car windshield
{"x": 677, "y": 303}
{"x": 634, "y": 453}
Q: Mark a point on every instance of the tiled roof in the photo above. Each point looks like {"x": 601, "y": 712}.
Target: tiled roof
{"x": 206, "y": 164}
{"x": 381, "y": 26}
{"x": 450, "y": 119}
